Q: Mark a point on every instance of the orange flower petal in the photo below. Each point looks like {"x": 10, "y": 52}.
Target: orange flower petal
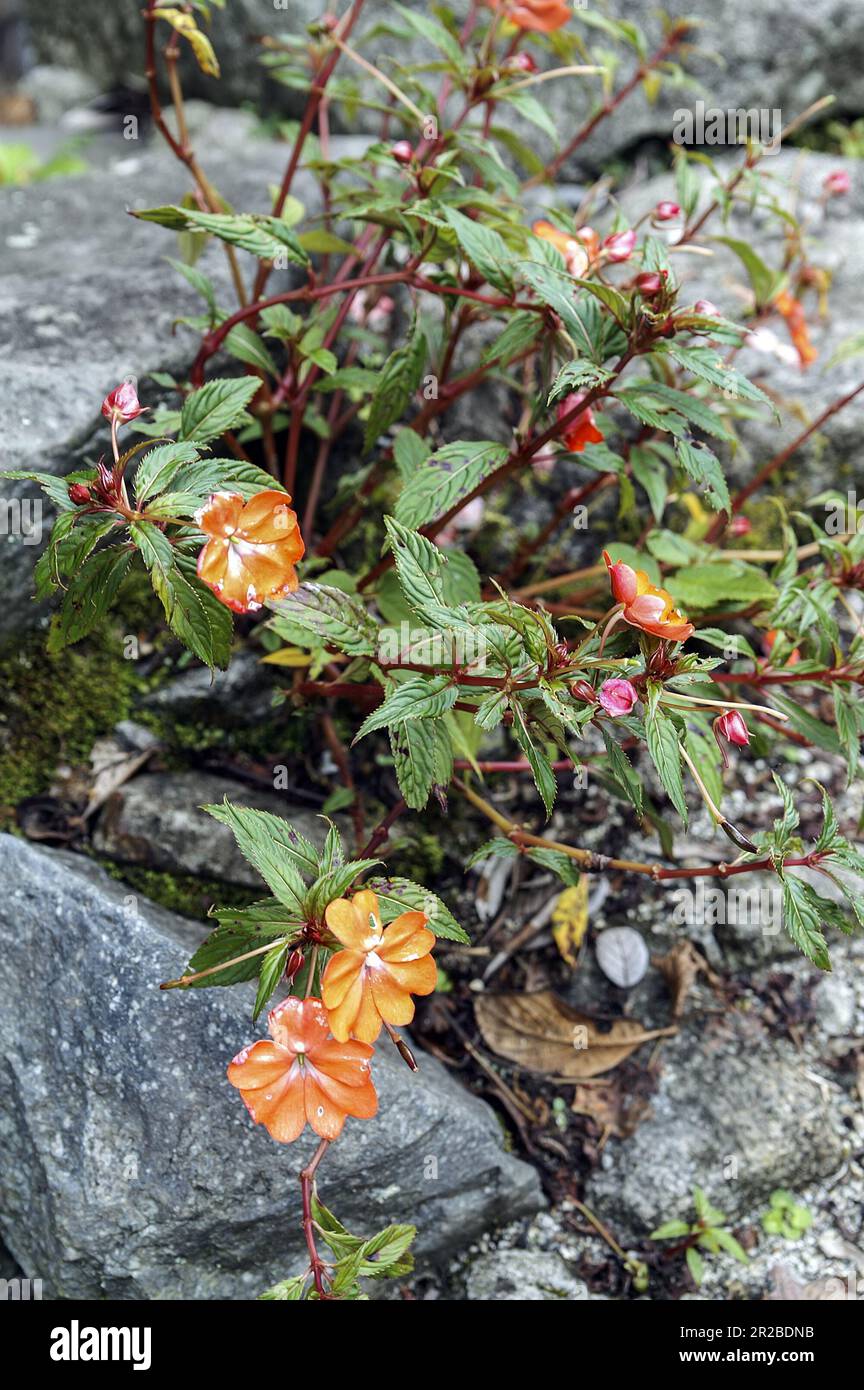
{"x": 299, "y": 1024}
{"x": 391, "y": 1001}
{"x": 343, "y": 1014}
{"x": 259, "y": 1066}
{"x": 345, "y": 1061}
{"x": 343, "y": 969}
{"x": 414, "y": 976}
{"x": 219, "y": 516}
{"x": 346, "y": 924}
{"x": 267, "y": 517}
{"x": 322, "y": 1113}
{"x": 407, "y": 938}
{"x": 367, "y": 1023}
{"x": 366, "y": 904}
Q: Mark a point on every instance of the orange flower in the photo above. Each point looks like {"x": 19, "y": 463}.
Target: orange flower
{"x": 371, "y": 981}
{"x": 581, "y": 431}
{"x": 572, "y": 248}
{"x": 252, "y": 550}
{"x": 543, "y": 16}
{"x": 792, "y": 311}
{"x": 304, "y": 1075}
{"x": 644, "y": 605}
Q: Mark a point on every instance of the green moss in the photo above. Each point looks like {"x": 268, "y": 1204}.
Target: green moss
{"x": 53, "y": 708}
{"x": 181, "y": 893}
{"x": 419, "y": 855}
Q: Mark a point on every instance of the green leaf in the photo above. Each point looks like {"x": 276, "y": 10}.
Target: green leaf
{"x": 217, "y": 406}
{"x": 436, "y": 34}
{"x": 445, "y": 478}
{"x": 88, "y": 597}
{"x": 695, "y": 1264}
{"x": 622, "y": 771}
{"x": 398, "y": 895}
{"x": 704, "y": 467}
{"x": 248, "y": 346}
{"x": 670, "y": 1230}
{"x": 764, "y": 281}
{"x": 420, "y": 566}
{"x": 261, "y": 839}
{"x": 541, "y": 768}
{"x": 318, "y": 615}
{"x": 708, "y": 365}
{"x": 272, "y": 968}
{"x": 193, "y": 612}
{"x": 484, "y": 248}
{"x": 420, "y": 697}
{"x": 806, "y": 723}
{"x": 399, "y": 379}
{"x": 422, "y": 757}
{"x": 266, "y": 237}
{"x": 665, "y": 753}
{"x": 159, "y": 466}
{"x": 801, "y": 918}
{"x": 846, "y": 717}
{"x": 718, "y": 584}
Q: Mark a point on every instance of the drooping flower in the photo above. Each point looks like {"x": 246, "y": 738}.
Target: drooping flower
{"x": 644, "y": 605}
{"x": 542, "y": 16}
{"x": 304, "y": 1076}
{"x": 371, "y": 980}
{"x": 838, "y": 181}
{"x": 792, "y": 311}
{"x": 569, "y": 244}
{"x": 619, "y": 246}
{"x": 617, "y": 696}
{"x": 581, "y": 431}
{"x": 122, "y": 404}
{"x": 252, "y": 550}
{"x": 732, "y": 726}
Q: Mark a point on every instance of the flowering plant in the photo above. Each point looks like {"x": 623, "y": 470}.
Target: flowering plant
{"x": 608, "y": 368}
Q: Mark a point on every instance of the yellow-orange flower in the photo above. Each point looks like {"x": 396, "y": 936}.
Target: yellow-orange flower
{"x": 792, "y": 311}
{"x": 644, "y": 605}
{"x": 304, "y": 1076}
{"x": 252, "y": 550}
{"x": 570, "y": 245}
{"x": 371, "y": 981}
{"x": 543, "y": 16}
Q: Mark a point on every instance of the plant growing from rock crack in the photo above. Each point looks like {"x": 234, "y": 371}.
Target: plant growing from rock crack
{"x": 707, "y": 1232}
{"x": 607, "y": 366}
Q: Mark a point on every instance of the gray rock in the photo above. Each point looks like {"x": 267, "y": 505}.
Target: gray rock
{"x": 128, "y": 1166}
{"x": 156, "y": 821}
{"x": 834, "y": 1001}
{"x": 242, "y": 694}
{"x": 523, "y": 1276}
{"x": 735, "y": 1114}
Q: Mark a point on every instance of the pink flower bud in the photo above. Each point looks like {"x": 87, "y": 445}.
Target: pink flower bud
{"x": 79, "y": 494}
{"x": 838, "y": 181}
{"x": 121, "y": 404}
{"x": 619, "y": 246}
{"x": 617, "y": 697}
{"x": 522, "y": 62}
{"x": 665, "y": 211}
{"x": 740, "y": 526}
{"x": 649, "y": 283}
{"x": 402, "y": 151}
{"x": 705, "y": 307}
{"x": 294, "y": 964}
{"x": 731, "y": 726}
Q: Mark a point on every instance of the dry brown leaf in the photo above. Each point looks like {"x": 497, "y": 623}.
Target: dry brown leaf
{"x": 543, "y": 1033}
{"x": 570, "y": 920}
{"x": 680, "y": 966}
{"x": 617, "y": 1113}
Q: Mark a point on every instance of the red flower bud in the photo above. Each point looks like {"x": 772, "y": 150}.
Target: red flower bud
{"x": 402, "y": 151}
{"x": 649, "y": 283}
{"x": 706, "y": 308}
{"x": 740, "y": 526}
{"x": 731, "y": 726}
{"x": 619, "y": 246}
{"x": 522, "y": 62}
{"x": 581, "y": 690}
{"x": 665, "y": 211}
{"x": 121, "y": 404}
{"x": 617, "y": 697}
{"x": 294, "y": 964}
{"x": 79, "y": 494}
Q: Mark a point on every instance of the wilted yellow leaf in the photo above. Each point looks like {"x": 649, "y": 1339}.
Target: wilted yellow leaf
{"x": 201, "y": 46}
{"x": 570, "y": 920}
{"x": 287, "y": 656}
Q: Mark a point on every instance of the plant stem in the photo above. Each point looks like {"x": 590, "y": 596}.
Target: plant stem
{"x": 307, "y": 1187}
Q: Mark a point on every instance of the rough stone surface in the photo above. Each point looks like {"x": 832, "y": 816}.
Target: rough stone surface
{"x": 129, "y": 1168}
{"x": 156, "y": 821}
{"x": 523, "y": 1276}
{"x": 242, "y": 694}
{"x": 768, "y": 61}
{"x": 735, "y": 1113}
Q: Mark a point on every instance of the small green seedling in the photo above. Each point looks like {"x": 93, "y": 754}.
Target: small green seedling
{"x": 707, "y": 1232}
{"x": 785, "y": 1216}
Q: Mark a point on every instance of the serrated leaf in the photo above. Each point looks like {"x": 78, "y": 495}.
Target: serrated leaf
{"x": 420, "y": 697}
{"x": 272, "y": 969}
{"x": 665, "y": 753}
{"x": 445, "y": 478}
{"x": 484, "y": 248}
{"x": 802, "y": 919}
{"x": 398, "y": 895}
{"x": 266, "y": 237}
{"x": 319, "y": 615}
{"x": 217, "y": 406}
{"x": 422, "y": 759}
{"x": 541, "y": 768}
{"x": 261, "y": 839}
{"x": 704, "y": 467}
{"x": 398, "y": 380}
